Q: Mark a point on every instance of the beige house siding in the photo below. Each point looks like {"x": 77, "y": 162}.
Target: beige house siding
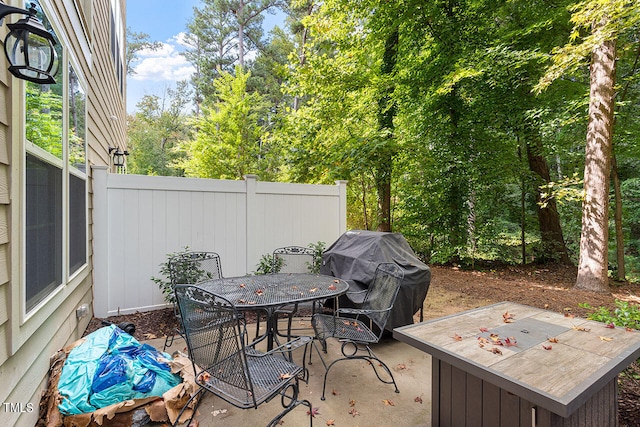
{"x": 4, "y": 219}
{"x": 26, "y": 344}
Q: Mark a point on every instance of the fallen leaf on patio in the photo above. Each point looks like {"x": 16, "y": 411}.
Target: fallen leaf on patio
{"x": 242, "y": 285}
{"x": 336, "y": 280}
{"x": 605, "y": 338}
{"x": 149, "y": 336}
{"x": 241, "y": 301}
{"x": 218, "y": 412}
{"x": 580, "y": 328}
{"x": 335, "y": 392}
{"x": 312, "y": 290}
{"x": 259, "y": 292}
{"x": 510, "y": 341}
{"x": 251, "y": 302}
{"x": 628, "y": 329}
{"x": 554, "y": 340}
{"x": 610, "y": 326}
{"x": 401, "y": 366}
{"x": 546, "y": 347}
{"x": 352, "y": 403}
{"x": 313, "y": 412}
{"x": 496, "y": 350}
{"x": 354, "y": 412}
{"x": 388, "y": 402}
{"x": 457, "y": 337}
{"x": 204, "y": 377}
{"x": 569, "y": 315}
{"x": 507, "y": 317}
{"x": 418, "y": 399}
{"x": 484, "y": 330}
{"x": 284, "y": 376}
{"x": 546, "y": 306}
{"x": 331, "y": 422}
{"x": 495, "y": 338}
{"x": 332, "y": 287}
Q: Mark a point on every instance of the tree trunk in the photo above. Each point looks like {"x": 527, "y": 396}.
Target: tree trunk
{"x": 594, "y": 239}
{"x": 553, "y": 245}
{"x": 621, "y": 270}
{"x": 386, "y": 113}
{"x": 241, "y": 22}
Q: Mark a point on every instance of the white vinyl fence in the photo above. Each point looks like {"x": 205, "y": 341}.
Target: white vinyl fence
{"x": 138, "y": 220}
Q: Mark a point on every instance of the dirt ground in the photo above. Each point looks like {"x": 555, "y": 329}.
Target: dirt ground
{"x": 453, "y": 290}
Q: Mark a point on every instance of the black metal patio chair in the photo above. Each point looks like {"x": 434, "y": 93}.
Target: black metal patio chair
{"x": 191, "y": 268}
{"x": 358, "y": 328}
{"x": 226, "y": 366}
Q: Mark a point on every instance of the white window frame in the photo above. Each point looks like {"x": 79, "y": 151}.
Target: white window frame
{"x": 69, "y": 279}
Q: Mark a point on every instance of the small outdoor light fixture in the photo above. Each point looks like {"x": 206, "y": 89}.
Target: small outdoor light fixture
{"x": 118, "y": 156}
{"x": 29, "y": 47}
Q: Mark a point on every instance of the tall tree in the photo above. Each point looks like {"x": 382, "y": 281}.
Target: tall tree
{"x": 156, "y": 130}
{"x": 222, "y": 34}
{"x": 212, "y": 45}
{"x": 229, "y": 142}
{"x": 605, "y": 20}
{"x": 594, "y": 239}
{"x": 137, "y": 42}
{"x": 386, "y": 114}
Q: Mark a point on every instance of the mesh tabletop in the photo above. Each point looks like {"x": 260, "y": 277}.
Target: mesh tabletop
{"x": 273, "y": 290}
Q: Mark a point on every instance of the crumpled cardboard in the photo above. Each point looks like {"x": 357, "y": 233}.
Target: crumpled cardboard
{"x": 159, "y": 409}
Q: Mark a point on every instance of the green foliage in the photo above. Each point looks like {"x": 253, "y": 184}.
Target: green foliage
{"x": 624, "y": 315}
{"x": 318, "y": 249}
{"x": 156, "y": 130}
{"x": 135, "y": 43}
{"x": 182, "y": 268}
{"x": 229, "y": 143}
{"x": 44, "y": 118}
{"x": 466, "y": 117}
{"x": 267, "y": 265}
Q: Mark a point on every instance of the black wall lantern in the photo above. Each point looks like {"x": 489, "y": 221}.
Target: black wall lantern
{"x": 118, "y": 156}
{"x": 29, "y": 47}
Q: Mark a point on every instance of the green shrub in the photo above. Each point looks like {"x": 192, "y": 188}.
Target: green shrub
{"x": 188, "y": 271}
{"x": 625, "y": 315}
{"x": 266, "y": 265}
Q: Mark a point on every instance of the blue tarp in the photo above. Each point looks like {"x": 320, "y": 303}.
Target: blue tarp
{"x": 109, "y": 367}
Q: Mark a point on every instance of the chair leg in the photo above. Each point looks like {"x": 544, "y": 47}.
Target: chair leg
{"x": 314, "y": 345}
{"x": 195, "y": 408}
{"x": 369, "y": 358}
{"x": 257, "y": 324}
{"x": 168, "y": 341}
{"x": 290, "y": 402}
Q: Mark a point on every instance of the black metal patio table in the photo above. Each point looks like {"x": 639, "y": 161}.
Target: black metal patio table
{"x": 269, "y": 292}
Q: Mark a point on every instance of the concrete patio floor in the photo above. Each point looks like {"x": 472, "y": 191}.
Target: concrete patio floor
{"x": 354, "y": 396}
